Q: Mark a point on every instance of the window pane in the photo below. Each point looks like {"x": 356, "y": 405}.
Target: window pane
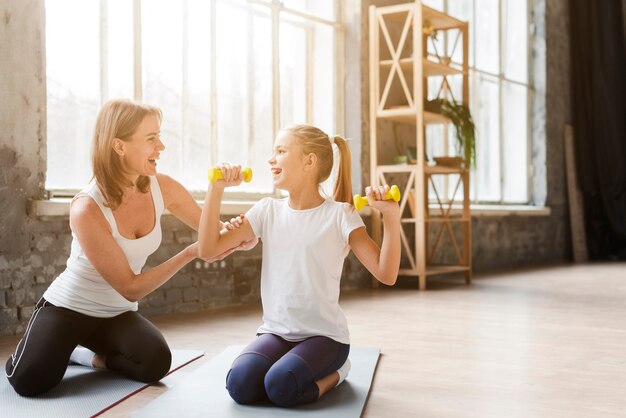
{"x": 515, "y": 40}
{"x": 307, "y": 73}
{"x": 197, "y": 93}
{"x": 486, "y": 117}
{"x": 73, "y": 86}
{"x": 120, "y": 45}
{"x": 244, "y": 88}
{"x": 322, "y": 8}
{"x": 462, "y": 10}
{"x": 163, "y": 75}
{"x": 515, "y": 142}
{"x": 487, "y": 36}
{"x": 293, "y": 73}
{"x": 261, "y": 138}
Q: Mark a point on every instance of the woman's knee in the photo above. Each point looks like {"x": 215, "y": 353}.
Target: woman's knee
{"x": 155, "y": 363}
{"x": 31, "y": 380}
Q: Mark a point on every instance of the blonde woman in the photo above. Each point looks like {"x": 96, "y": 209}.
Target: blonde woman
{"x": 89, "y": 313}
{"x": 301, "y": 349}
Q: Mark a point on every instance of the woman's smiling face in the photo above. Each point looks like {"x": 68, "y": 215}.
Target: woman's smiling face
{"x": 143, "y": 148}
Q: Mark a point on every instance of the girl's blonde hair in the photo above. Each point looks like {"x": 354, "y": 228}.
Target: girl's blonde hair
{"x": 117, "y": 119}
{"x": 314, "y": 140}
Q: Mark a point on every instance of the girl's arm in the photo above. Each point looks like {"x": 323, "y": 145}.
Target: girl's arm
{"x": 94, "y": 234}
{"x": 384, "y": 262}
{"x": 212, "y": 240}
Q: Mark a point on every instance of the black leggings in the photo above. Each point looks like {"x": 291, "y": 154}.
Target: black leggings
{"x": 132, "y": 345}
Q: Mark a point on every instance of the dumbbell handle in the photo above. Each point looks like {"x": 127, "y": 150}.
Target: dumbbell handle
{"x": 216, "y": 174}
{"x": 393, "y": 194}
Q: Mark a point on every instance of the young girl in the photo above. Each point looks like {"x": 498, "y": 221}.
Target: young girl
{"x": 301, "y": 350}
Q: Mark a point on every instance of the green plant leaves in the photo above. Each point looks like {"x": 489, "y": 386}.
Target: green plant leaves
{"x": 461, "y": 118}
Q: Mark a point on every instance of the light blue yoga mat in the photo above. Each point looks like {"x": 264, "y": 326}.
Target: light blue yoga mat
{"x": 83, "y": 392}
{"x": 203, "y": 393}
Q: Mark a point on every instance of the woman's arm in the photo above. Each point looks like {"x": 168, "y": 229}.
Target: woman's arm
{"x": 179, "y": 201}
{"x": 94, "y": 234}
{"x": 384, "y": 262}
{"x": 212, "y": 240}
{"x": 183, "y": 206}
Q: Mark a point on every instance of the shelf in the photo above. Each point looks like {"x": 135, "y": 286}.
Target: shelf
{"x": 442, "y": 269}
{"x": 442, "y": 169}
{"x": 429, "y": 169}
{"x": 431, "y": 68}
{"x": 405, "y": 114}
{"x": 435, "y": 270}
{"x": 436, "y": 220}
{"x": 432, "y": 231}
{"x": 440, "y": 20}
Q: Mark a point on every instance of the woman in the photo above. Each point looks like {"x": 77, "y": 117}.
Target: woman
{"x": 115, "y": 223}
{"x": 301, "y": 349}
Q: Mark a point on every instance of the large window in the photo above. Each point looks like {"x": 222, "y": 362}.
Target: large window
{"x": 500, "y": 95}
{"x": 226, "y": 73}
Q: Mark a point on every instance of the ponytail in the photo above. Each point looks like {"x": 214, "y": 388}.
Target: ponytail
{"x": 343, "y": 185}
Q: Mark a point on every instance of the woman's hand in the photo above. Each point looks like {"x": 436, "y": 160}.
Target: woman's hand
{"x": 193, "y": 250}
{"x": 248, "y": 245}
{"x": 234, "y": 222}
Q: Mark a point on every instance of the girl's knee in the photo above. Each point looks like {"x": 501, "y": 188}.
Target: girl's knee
{"x": 244, "y": 381}
{"x": 290, "y": 382}
{"x": 282, "y": 387}
{"x": 240, "y": 383}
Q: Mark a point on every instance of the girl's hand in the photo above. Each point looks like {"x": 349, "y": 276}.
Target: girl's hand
{"x": 232, "y": 175}
{"x": 376, "y": 199}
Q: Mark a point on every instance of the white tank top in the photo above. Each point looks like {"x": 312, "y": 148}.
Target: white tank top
{"x": 81, "y": 288}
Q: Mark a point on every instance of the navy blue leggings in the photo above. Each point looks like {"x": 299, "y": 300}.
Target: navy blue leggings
{"x": 283, "y": 371}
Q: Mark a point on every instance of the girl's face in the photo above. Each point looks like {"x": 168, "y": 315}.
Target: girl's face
{"x": 143, "y": 149}
{"x": 287, "y": 162}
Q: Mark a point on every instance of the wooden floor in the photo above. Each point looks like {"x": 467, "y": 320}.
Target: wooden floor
{"x": 549, "y": 342}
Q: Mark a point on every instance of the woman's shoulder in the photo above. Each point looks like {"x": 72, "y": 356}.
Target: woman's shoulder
{"x": 84, "y": 208}
{"x": 170, "y": 188}
{"x": 165, "y": 182}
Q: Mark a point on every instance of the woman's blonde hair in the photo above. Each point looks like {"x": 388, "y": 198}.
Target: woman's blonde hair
{"x": 314, "y": 140}
{"x": 117, "y": 119}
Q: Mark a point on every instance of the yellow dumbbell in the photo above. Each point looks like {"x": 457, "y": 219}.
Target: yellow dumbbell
{"x": 216, "y": 174}
{"x": 392, "y": 194}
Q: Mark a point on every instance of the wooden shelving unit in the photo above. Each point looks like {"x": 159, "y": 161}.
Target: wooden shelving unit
{"x": 435, "y": 239}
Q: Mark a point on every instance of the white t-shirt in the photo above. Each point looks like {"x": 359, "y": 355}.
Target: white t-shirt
{"x": 81, "y": 288}
{"x": 303, "y": 255}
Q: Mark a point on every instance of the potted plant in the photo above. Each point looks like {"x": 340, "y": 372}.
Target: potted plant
{"x": 461, "y": 118}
